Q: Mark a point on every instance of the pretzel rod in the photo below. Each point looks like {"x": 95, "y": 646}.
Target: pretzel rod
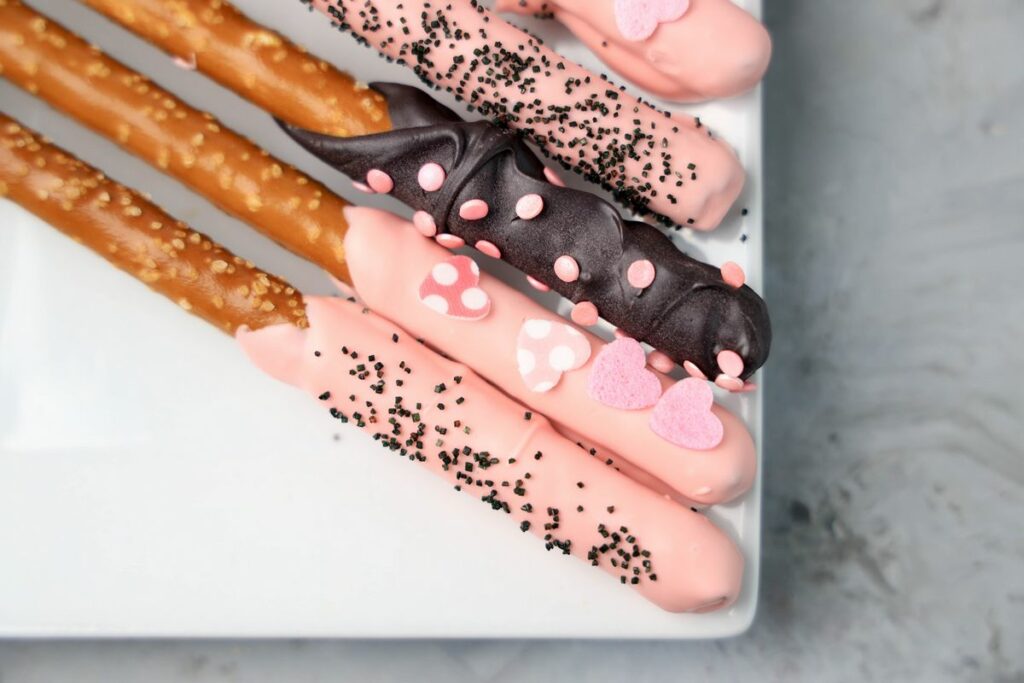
{"x": 416, "y": 404}
{"x": 138, "y": 237}
{"x": 258, "y": 64}
{"x": 653, "y": 162}
{"x": 243, "y": 180}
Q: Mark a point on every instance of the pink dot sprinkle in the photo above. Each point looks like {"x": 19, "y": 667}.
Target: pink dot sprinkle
{"x": 380, "y": 181}
{"x": 567, "y": 269}
{"x": 733, "y": 274}
{"x": 693, "y": 371}
{"x": 431, "y": 177}
{"x": 584, "y": 313}
{"x": 450, "y": 241}
{"x": 474, "y": 210}
{"x": 553, "y": 177}
{"x": 640, "y": 274}
{"x": 731, "y": 363}
{"x": 424, "y": 223}
{"x": 537, "y": 284}
{"x": 529, "y": 206}
{"x": 729, "y": 383}
{"x": 362, "y": 187}
{"x": 661, "y": 362}
{"x": 488, "y": 248}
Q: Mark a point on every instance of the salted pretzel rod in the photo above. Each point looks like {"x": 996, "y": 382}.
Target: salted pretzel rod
{"x": 138, "y": 237}
{"x": 44, "y": 58}
{"x": 255, "y": 62}
{"x": 364, "y": 370}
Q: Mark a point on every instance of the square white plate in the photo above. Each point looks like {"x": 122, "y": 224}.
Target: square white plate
{"x": 152, "y": 483}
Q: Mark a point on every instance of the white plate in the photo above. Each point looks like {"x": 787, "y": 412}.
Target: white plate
{"x": 152, "y": 483}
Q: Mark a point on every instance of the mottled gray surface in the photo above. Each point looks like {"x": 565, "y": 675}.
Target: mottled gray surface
{"x": 894, "y": 540}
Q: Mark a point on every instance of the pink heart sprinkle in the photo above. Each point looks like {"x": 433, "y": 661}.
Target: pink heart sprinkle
{"x": 683, "y": 416}
{"x": 620, "y": 377}
{"x": 638, "y": 19}
{"x": 452, "y": 288}
{"x": 546, "y": 349}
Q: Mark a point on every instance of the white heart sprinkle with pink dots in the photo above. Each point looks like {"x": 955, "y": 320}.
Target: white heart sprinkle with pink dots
{"x": 545, "y": 350}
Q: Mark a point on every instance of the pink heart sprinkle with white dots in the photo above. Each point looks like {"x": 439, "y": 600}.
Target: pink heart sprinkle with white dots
{"x": 545, "y": 350}
{"x": 452, "y": 288}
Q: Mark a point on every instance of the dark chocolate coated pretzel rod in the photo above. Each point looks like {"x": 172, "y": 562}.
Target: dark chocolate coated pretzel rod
{"x": 479, "y": 184}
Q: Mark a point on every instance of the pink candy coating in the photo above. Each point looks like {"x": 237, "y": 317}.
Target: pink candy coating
{"x": 733, "y": 274}
{"x": 529, "y": 206}
{"x": 693, "y": 371}
{"x": 379, "y": 181}
{"x": 661, "y": 362}
{"x": 567, "y": 269}
{"x": 450, "y": 241}
{"x": 424, "y": 223}
{"x": 553, "y": 177}
{"x": 488, "y": 249}
{"x": 431, "y": 177}
{"x": 474, "y": 210}
{"x": 640, "y": 274}
{"x": 731, "y": 363}
{"x": 537, "y": 284}
{"x": 584, "y": 313}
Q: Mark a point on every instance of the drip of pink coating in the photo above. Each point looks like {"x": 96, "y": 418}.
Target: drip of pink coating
{"x": 661, "y": 362}
{"x": 488, "y": 249}
{"x": 693, "y": 371}
{"x": 431, "y": 177}
{"x": 537, "y": 284}
{"x": 567, "y": 269}
{"x": 584, "y": 313}
{"x": 450, "y": 241}
{"x": 730, "y": 362}
{"x": 696, "y": 565}
{"x": 489, "y": 345}
{"x": 529, "y": 206}
{"x": 362, "y": 187}
{"x": 553, "y": 177}
{"x": 671, "y": 144}
{"x": 474, "y": 210}
{"x": 379, "y": 181}
{"x": 424, "y": 223}
{"x": 733, "y": 274}
{"x": 640, "y": 274}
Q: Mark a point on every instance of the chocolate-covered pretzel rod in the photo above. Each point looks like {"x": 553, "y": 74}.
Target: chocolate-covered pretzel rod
{"x": 139, "y": 238}
{"x": 243, "y": 180}
{"x": 652, "y": 161}
{"x": 258, "y": 64}
{"x": 478, "y": 184}
{"x": 417, "y": 405}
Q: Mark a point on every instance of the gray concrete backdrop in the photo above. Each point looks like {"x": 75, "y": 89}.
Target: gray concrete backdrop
{"x": 894, "y": 541}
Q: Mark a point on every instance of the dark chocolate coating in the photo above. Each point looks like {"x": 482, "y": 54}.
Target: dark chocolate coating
{"x": 688, "y": 312}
